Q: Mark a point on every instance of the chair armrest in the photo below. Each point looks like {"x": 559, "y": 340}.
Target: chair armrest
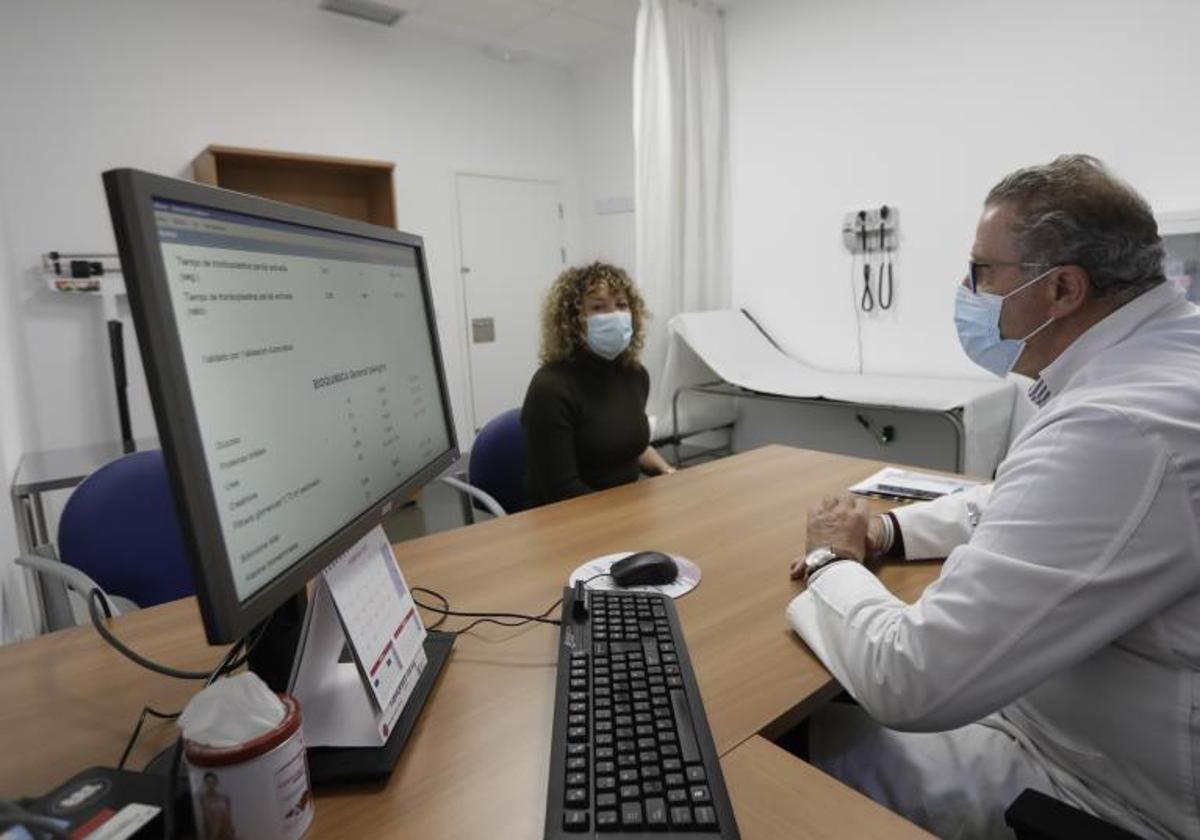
{"x": 485, "y": 499}
{"x": 1035, "y": 816}
{"x": 71, "y": 577}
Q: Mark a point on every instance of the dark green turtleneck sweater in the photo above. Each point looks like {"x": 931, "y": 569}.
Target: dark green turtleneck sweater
{"x": 585, "y": 426}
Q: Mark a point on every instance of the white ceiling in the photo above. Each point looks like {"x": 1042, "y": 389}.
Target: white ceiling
{"x": 563, "y": 32}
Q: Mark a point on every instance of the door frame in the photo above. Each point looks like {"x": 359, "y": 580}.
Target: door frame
{"x": 461, "y": 284}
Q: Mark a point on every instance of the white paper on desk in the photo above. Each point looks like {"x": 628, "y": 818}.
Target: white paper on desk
{"x": 378, "y": 615}
{"x": 894, "y": 482}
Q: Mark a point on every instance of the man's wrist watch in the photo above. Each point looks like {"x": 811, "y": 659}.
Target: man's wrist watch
{"x": 820, "y": 557}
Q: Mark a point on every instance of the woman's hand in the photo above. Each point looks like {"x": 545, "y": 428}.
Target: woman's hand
{"x": 650, "y": 461}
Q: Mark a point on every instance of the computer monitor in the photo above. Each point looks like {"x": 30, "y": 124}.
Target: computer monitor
{"x": 293, "y": 363}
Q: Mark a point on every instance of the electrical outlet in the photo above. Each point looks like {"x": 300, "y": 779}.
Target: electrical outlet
{"x": 871, "y": 230}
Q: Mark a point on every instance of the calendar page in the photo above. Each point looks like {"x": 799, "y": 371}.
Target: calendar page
{"x": 378, "y": 615}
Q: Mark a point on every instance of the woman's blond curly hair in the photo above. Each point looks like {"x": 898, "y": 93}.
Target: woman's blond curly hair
{"x": 562, "y": 324}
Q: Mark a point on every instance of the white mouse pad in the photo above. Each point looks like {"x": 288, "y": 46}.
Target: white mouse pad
{"x": 689, "y": 576}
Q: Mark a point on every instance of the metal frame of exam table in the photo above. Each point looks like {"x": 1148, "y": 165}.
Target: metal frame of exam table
{"x": 720, "y": 387}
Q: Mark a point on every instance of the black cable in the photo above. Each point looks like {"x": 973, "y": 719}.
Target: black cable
{"x": 857, "y": 313}
{"x": 488, "y": 617}
{"x": 868, "y": 301}
{"x": 482, "y": 617}
{"x": 137, "y": 730}
{"x": 885, "y": 256}
{"x": 440, "y": 597}
{"x": 95, "y": 597}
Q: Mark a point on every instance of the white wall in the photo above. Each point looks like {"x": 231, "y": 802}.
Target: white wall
{"x": 14, "y": 610}
{"x": 603, "y": 103}
{"x": 88, "y": 86}
{"x": 925, "y": 104}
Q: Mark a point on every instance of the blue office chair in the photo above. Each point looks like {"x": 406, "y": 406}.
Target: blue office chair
{"x": 119, "y": 532}
{"x": 495, "y": 477}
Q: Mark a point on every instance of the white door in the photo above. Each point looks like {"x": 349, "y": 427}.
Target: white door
{"x": 511, "y": 239}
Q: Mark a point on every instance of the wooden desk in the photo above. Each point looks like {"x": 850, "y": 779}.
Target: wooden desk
{"x": 477, "y": 765}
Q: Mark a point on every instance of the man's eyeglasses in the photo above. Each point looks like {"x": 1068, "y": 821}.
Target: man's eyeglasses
{"x": 974, "y": 266}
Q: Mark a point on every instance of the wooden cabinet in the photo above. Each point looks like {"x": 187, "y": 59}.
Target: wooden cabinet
{"x": 357, "y": 189}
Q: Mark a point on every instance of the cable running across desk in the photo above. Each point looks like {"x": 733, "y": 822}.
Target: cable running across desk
{"x": 487, "y": 617}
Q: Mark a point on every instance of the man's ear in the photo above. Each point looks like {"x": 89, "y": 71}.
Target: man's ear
{"x": 1070, "y": 287}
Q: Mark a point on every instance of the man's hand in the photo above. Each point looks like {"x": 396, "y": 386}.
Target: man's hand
{"x": 841, "y": 523}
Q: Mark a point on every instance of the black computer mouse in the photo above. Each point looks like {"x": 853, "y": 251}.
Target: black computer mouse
{"x": 644, "y": 567}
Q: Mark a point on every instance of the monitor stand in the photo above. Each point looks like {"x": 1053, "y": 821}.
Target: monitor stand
{"x": 272, "y": 659}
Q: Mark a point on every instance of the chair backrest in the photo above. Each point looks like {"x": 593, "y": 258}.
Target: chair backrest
{"x": 497, "y": 464}
{"x": 120, "y": 528}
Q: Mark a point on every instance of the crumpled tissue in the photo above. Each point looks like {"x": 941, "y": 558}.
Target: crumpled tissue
{"x": 231, "y": 711}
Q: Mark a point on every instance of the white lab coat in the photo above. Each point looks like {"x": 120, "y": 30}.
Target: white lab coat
{"x": 1069, "y": 616}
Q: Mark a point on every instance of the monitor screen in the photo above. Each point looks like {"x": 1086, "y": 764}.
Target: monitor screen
{"x": 293, "y": 361}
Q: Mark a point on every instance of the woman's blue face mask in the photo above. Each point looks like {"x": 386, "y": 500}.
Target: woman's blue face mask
{"x": 977, "y": 317}
{"x": 609, "y": 333}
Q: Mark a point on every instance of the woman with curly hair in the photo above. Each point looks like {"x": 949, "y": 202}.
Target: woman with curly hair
{"x": 585, "y": 410}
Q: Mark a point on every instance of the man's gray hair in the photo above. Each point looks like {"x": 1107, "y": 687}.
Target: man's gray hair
{"x": 1073, "y": 211}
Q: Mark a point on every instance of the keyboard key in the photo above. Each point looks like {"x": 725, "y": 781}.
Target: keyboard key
{"x": 683, "y": 723}
{"x": 656, "y": 812}
{"x": 628, "y": 776}
{"x": 631, "y": 814}
{"x": 606, "y": 800}
{"x": 675, "y": 780}
{"x": 578, "y": 762}
{"x": 576, "y": 779}
{"x": 606, "y": 783}
{"x": 577, "y": 734}
{"x": 695, "y": 773}
{"x": 681, "y": 815}
{"x": 575, "y": 821}
{"x": 706, "y": 816}
{"x": 677, "y": 796}
{"x": 577, "y": 749}
{"x": 607, "y": 821}
{"x": 630, "y": 791}
{"x": 576, "y": 796}
{"x": 700, "y": 794}
{"x": 652, "y": 787}
{"x": 672, "y": 765}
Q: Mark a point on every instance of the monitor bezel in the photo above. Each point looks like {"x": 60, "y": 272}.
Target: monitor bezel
{"x": 131, "y": 194}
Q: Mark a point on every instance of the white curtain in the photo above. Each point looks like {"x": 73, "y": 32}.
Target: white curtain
{"x": 681, "y": 144}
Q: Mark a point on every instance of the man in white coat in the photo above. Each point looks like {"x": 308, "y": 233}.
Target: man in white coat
{"x": 1059, "y": 649}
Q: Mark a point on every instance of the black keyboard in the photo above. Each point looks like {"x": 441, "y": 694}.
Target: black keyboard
{"x": 632, "y": 753}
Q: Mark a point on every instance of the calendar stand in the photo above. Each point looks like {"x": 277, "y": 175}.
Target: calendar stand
{"x": 364, "y": 665}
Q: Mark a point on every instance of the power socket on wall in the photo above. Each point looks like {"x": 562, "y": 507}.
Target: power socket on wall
{"x": 871, "y": 230}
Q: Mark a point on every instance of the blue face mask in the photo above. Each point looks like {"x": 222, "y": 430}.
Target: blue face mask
{"x": 609, "y": 334}
{"x": 977, "y": 317}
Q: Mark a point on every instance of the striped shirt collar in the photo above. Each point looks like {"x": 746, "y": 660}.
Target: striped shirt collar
{"x": 1100, "y": 336}
{"x": 1039, "y": 392}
